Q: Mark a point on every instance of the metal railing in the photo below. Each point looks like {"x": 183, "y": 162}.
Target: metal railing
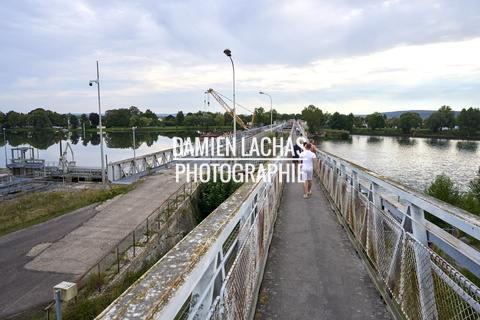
{"x": 388, "y": 221}
{"x": 128, "y": 167}
{"x": 127, "y": 248}
{"x": 216, "y": 270}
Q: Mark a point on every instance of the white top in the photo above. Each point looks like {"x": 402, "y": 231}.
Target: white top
{"x": 307, "y": 164}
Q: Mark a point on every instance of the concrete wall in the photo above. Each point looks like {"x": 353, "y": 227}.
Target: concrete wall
{"x": 173, "y": 229}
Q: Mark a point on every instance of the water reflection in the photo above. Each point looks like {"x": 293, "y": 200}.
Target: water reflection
{"x": 438, "y": 143}
{"x": 469, "y": 146}
{"x": 411, "y": 161}
{"x": 374, "y": 139}
{"x": 86, "y": 145}
{"x": 406, "y": 142}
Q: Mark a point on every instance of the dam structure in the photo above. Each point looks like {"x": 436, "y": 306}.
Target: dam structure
{"x": 361, "y": 245}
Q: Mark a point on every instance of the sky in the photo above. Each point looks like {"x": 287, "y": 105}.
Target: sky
{"x": 345, "y": 56}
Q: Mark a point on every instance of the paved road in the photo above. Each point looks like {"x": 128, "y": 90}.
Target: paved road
{"x": 23, "y": 288}
{"x": 34, "y": 260}
{"x": 313, "y": 271}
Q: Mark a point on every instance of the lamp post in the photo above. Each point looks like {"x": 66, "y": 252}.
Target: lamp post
{"x": 133, "y": 132}
{"x": 97, "y": 81}
{"x": 5, "y": 140}
{"x": 271, "y": 110}
{"x": 228, "y": 53}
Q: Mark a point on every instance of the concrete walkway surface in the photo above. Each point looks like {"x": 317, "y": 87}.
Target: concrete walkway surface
{"x": 35, "y": 259}
{"x": 313, "y": 271}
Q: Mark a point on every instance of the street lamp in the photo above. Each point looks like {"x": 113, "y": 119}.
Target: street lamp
{"x": 271, "y": 114}
{"x": 5, "y": 140}
{"x": 228, "y": 53}
{"x": 97, "y": 81}
{"x": 133, "y": 132}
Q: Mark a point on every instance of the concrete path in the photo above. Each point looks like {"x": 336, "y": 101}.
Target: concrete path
{"x": 35, "y": 259}
{"x": 312, "y": 270}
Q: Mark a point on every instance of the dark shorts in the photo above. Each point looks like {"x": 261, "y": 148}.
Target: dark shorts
{"x": 295, "y": 161}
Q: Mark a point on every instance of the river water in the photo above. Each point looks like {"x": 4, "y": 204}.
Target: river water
{"x": 414, "y": 162}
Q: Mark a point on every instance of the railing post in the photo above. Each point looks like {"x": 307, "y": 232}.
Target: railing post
{"x": 354, "y": 182}
{"x": 418, "y": 221}
{"x": 118, "y": 261}
{"x": 99, "y": 278}
{"x": 147, "y": 231}
{"x": 373, "y": 195}
{"x": 423, "y": 264}
{"x": 133, "y": 243}
{"x": 342, "y": 170}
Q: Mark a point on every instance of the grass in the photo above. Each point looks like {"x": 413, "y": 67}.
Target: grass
{"x": 32, "y": 209}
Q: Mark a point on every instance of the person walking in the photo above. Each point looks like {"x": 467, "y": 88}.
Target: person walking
{"x": 313, "y": 149}
{"x": 309, "y": 160}
{"x": 296, "y": 157}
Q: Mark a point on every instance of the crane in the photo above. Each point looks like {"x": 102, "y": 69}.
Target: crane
{"x": 226, "y": 107}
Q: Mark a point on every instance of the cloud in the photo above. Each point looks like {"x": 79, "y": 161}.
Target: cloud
{"x": 164, "y": 54}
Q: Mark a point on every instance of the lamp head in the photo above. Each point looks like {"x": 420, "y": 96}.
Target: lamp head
{"x": 261, "y": 92}
{"x": 227, "y": 52}
{"x": 92, "y": 82}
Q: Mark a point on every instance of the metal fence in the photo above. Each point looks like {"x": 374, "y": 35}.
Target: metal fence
{"x": 422, "y": 265}
{"x": 125, "y": 168}
{"x": 119, "y": 255}
{"x": 216, "y": 270}
{"x": 128, "y": 167}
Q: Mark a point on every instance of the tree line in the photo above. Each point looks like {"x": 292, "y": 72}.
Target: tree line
{"x": 467, "y": 123}
{"x": 133, "y": 117}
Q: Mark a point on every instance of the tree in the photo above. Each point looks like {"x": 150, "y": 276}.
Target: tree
{"x": 152, "y": 116}
{"x": 375, "y": 120}
{"x": 337, "y": 121}
{"x": 192, "y": 120}
{"x": 39, "y": 119}
{"x": 474, "y": 186}
{"x": 55, "y": 118}
{"x": 469, "y": 121}
{"x": 444, "y": 117}
{"x": 409, "y": 120}
{"x": 84, "y": 120}
{"x": 15, "y": 119}
{"x": 3, "y": 119}
{"x": 180, "y": 118}
{"x": 73, "y": 120}
{"x": 443, "y": 188}
{"x": 134, "y": 111}
{"x": 134, "y": 121}
{"x": 314, "y": 117}
{"x": 349, "y": 122}
{"x": 219, "y": 120}
{"x": 434, "y": 122}
{"x": 117, "y": 118}
{"x": 448, "y": 116}
{"x": 260, "y": 116}
{"x": 94, "y": 119}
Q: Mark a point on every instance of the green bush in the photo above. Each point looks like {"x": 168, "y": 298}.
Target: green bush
{"x": 212, "y": 194}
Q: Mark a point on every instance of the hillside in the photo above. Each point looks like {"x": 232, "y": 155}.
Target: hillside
{"x": 423, "y": 113}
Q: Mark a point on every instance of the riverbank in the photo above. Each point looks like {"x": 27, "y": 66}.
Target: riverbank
{"x": 422, "y": 133}
{"x": 129, "y": 129}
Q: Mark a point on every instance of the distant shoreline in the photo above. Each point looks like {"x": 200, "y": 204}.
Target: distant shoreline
{"x": 416, "y": 135}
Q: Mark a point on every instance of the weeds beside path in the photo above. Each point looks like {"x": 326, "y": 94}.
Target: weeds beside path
{"x": 32, "y": 209}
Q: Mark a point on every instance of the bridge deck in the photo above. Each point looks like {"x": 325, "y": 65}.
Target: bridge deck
{"x": 313, "y": 271}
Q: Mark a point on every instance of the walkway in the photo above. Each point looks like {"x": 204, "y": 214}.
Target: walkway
{"x": 313, "y": 271}
{"x": 35, "y": 259}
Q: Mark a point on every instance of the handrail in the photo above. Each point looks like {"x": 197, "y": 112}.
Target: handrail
{"x": 217, "y": 267}
{"x": 159, "y": 211}
{"x": 388, "y": 221}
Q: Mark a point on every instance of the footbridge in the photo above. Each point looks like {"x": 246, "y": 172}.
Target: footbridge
{"x": 267, "y": 252}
